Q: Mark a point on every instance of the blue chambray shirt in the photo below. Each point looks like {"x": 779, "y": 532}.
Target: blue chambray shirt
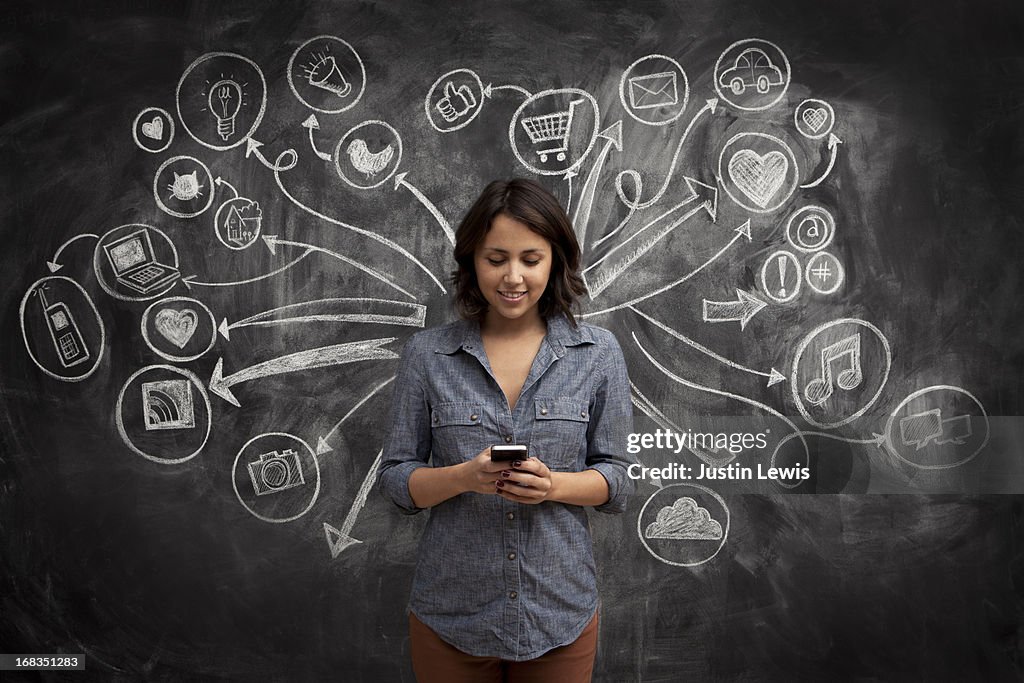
{"x": 496, "y": 578}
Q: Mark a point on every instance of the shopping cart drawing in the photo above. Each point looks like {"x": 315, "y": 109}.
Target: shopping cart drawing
{"x": 554, "y": 127}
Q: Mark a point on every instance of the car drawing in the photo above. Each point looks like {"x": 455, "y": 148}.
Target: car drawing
{"x": 753, "y": 68}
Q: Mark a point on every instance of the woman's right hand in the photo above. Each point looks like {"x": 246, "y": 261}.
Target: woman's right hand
{"x": 480, "y": 473}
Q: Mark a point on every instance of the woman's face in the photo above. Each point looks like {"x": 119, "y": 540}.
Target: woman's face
{"x": 512, "y": 264}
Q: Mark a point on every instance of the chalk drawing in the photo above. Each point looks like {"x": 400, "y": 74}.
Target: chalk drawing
{"x": 252, "y": 148}
{"x": 752, "y": 74}
{"x": 322, "y": 446}
{"x": 327, "y": 75}
{"x": 54, "y": 264}
{"x": 937, "y": 427}
{"x": 810, "y": 228}
{"x": 276, "y": 477}
{"x": 781, "y": 276}
{"x": 612, "y": 136}
{"x": 175, "y": 319}
{"x": 63, "y": 322}
{"x": 824, "y": 273}
{"x": 741, "y": 310}
{"x": 823, "y": 351}
{"x": 400, "y": 181}
{"x": 455, "y": 98}
{"x": 190, "y": 280}
{"x": 355, "y": 310}
{"x": 606, "y": 270}
{"x": 310, "y": 125}
{"x": 761, "y": 172}
{"x": 814, "y": 119}
{"x": 340, "y": 539}
{"x": 679, "y": 531}
{"x": 141, "y": 423}
{"x": 654, "y": 90}
{"x": 126, "y": 259}
{"x": 178, "y": 189}
{"x": 335, "y": 354}
{"x": 833, "y": 147}
{"x": 221, "y": 98}
{"x": 877, "y": 440}
{"x": 370, "y": 159}
{"x": 774, "y": 376}
{"x": 153, "y": 130}
{"x": 743, "y": 231}
{"x": 547, "y": 121}
{"x": 238, "y": 223}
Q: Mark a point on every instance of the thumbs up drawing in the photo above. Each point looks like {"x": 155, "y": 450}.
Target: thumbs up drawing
{"x": 455, "y": 103}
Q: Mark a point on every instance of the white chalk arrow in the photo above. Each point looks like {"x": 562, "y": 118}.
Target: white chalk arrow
{"x": 833, "y": 145}
{"x": 322, "y": 446}
{"x": 745, "y": 307}
{"x": 335, "y": 354}
{"x": 190, "y": 280}
{"x": 312, "y": 124}
{"x": 400, "y": 181}
{"x": 54, "y": 264}
{"x": 569, "y": 175}
{"x": 742, "y": 231}
{"x": 356, "y": 310}
{"x": 612, "y": 136}
{"x": 489, "y": 89}
{"x": 218, "y": 181}
{"x": 774, "y": 376}
{"x": 612, "y": 265}
{"x": 252, "y": 147}
{"x": 340, "y": 539}
{"x": 272, "y": 241}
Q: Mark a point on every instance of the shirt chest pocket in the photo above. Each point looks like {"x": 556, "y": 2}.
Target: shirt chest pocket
{"x": 559, "y": 430}
{"x": 457, "y": 432}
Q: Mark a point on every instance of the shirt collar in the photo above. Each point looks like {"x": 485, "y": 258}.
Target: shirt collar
{"x": 465, "y": 334}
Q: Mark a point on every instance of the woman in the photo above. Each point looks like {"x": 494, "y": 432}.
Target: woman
{"x": 505, "y": 582}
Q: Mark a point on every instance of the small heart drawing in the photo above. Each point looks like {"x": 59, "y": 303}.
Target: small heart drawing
{"x": 154, "y": 129}
{"x": 815, "y": 118}
{"x": 759, "y": 177}
{"x": 176, "y": 326}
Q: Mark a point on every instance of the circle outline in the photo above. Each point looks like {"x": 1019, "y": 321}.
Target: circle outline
{"x": 830, "y": 223}
{"x": 792, "y": 159}
{"x": 259, "y": 115}
{"x": 337, "y": 154}
{"x": 295, "y": 91}
{"x": 782, "y": 92}
{"x": 705, "y": 489}
{"x": 313, "y": 498}
{"x": 160, "y": 202}
{"x": 187, "y": 374}
{"x": 101, "y": 279}
{"x": 534, "y": 98}
{"x": 167, "y": 356}
{"x": 24, "y": 332}
{"x": 797, "y": 116}
{"x": 170, "y": 134}
{"x": 426, "y": 101}
{"x": 937, "y": 387}
{"x": 799, "y": 277}
{"x": 839, "y": 267}
{"x": 216, "y": 221}
{"x": 686, "y": 90}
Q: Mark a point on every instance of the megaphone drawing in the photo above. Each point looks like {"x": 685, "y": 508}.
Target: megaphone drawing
{"x": 326, "y": 75}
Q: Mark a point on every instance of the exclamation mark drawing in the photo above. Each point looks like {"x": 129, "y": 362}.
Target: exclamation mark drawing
{"x": 782, "y": 276}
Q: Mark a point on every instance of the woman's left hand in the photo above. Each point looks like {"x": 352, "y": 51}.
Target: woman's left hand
{"x": 529, "y": 482}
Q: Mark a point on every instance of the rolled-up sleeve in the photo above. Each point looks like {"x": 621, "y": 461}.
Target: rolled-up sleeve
{"x": 611, "y": 421}
{"x": 407, "y": 443}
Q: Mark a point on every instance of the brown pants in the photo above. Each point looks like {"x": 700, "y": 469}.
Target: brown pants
{"x": 435, "y": 661}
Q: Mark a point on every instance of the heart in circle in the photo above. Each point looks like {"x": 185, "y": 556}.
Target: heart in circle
{"x": 759, "y": 177}
{"x": 176, "y": 326}
{"x": 154, "y": 129}
{"x": 814, "y": 117}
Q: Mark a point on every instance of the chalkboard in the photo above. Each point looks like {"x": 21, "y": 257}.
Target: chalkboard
{"x": 222, "y": 221}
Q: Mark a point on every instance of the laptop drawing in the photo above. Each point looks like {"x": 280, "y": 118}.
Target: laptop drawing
{"x": 132, "y": 259}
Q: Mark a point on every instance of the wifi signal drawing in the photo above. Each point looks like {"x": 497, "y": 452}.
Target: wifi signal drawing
{"x": 168, "y": 404}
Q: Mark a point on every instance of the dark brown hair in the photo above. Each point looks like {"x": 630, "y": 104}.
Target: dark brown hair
{"x": 529, "y": 203}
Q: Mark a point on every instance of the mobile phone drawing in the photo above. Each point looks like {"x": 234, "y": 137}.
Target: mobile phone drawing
{"x": 64, "y": 332}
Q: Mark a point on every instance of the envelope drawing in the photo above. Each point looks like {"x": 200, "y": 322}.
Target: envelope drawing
{"x": 654, "y": 90}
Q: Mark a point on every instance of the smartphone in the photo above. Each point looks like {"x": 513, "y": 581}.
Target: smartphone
{"x": 504, "y": 453}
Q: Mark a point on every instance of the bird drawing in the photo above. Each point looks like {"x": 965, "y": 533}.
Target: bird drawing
{"x": 365, "y": 161}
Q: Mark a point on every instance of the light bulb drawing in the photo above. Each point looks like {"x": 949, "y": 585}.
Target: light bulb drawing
{"x": 323, "y": 72}
{"x": 225, "y": 99}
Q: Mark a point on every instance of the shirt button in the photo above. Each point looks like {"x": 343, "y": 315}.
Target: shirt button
{"x": 437, "y": 418}
{"x": 474, "y": 417}
{"x": 511, "y": 515}
{"x": 583, "y": 413}
{"x": 511, "y": 556}
{"x": 543, "y": 411}
{"x": 508, "y": 439}
{"x": 512, "y": 595}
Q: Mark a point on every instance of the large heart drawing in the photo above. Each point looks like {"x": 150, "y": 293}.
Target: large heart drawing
{"x": 176, "y": 326}
{"x": 814, "y": 117}
{"x": 759, "y": 177}
{"x": 154, "y": 129}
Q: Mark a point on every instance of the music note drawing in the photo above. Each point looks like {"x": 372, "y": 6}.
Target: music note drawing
{"x": 844, "y": 351}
